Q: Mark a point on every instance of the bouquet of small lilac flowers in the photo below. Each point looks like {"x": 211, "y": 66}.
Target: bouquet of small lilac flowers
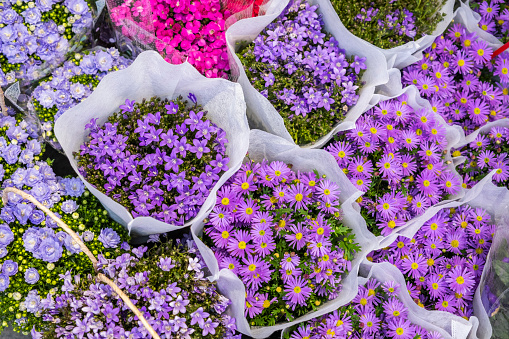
{"x": 494, "y": 17}
{"x": 70, "y": 84}
{"x": 166, "y": 283}
{"x": 34, "y": 35}
{"x": 303, "y": 72}
{"x": 487, "y": 152}
{"x": 396, "y": 156}
{"x": 375, "y": 312}
{"x": 444, "y": 261}
{"x": 157, "y": 158}
{"x": 281, "y": 233}
{"x": 461, "y": 81}
{"x": 35, "y": 251}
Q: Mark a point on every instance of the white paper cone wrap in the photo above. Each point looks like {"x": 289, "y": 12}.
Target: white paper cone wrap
{"x": 261, "y": 114}
{"x": 266, "y": 146}
{"x": 148, "y": 76}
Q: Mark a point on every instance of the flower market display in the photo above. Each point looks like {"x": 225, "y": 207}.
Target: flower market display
{"x": 396, "y": 156}
{"x": 376, "y": 312}
{"x": 158, "y": 157}
{"x": 444, "y": 261}
{"x": 303, "y": 71}
{"x": 494, "y": 17}
{"x": 366, "y": 196}
{"x": 167, "y": 282}
{"x": 179, "y": 30}
{"x": 70, "y": 84}
{"x": 461, "y": 81}
{"x": 281, "y": 233}
{"x": 487, "y": 152}
{"x": 388, "y": 24}
{"x": 35, "y": 35}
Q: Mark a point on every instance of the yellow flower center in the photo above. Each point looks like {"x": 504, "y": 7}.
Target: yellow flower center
{"x": 252, "y": 267}
{"x": 245, "y": 185}
{"x": 461, "y": 62}
{"x": 225, "y": 234}
{"x": 299, "y": 197}
{"x": 426, "y": 183}
{"x": 386, "y": 206}
{"x": 415, "y": 266}
{"x": 455, "y": 243}
{"x": 242, "y": 245}
{"x": 231, "y": 266}
{"x": 400, "y": 331}
{"x": 266, "y": 304}
{"x": 460, "y": 280}
{"x": 225, "y": 201}
{"x": 249, "y": 211}
{"x": 298, "y": 236}
{"x": 296, "y": 289}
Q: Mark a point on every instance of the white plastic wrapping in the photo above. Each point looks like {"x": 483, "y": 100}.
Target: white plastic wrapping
{"x": 473, "y": 24}
{"x": 261, "y": 114}
{"x": 148, "y": 76}
{"x": 265, "y": 146}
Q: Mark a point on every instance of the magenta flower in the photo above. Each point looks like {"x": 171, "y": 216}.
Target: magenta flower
{"x": 297, "y": 290}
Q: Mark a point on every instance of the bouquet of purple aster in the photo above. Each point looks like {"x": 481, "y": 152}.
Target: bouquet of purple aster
{"x": 461, "y": 81}
{"x": 444, "y": 261}
{"x": 397, "y": 155}
{"x": 485, "y": 151}
{"x": 167, "y": 284}
{"x": 494, "y": 17}
{"x": 280, "y": 231}
{"x": 163, "y": 166}
{"x": 153, "y": 158}
{"x": 379, "y": 310}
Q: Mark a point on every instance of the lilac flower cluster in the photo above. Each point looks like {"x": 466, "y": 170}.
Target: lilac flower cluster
{"x": 70, "y": 84}
{"x": 281, "y": 233}
{"x": 166, "y": 284}
{"x": 487, "y": 152}
{"x": 461, "y": 81}
{"x": 156, "y": 164}
{"x": 303, "y": 72}
{"x": 395, "y": 156}
{"x": 444, "y": 261}
{"x": 494, "y": 17}
{"x": 388, "y": 24}
{"x": 375, "y": 312}
{"x": 34, "y": 34}
{"x": 34, "y": 250}
{"x": 19, "y": 146}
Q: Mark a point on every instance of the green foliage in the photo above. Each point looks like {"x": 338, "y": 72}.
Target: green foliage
{"x": 426, "y": 14}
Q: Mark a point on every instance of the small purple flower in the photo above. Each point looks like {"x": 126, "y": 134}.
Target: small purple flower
{"x": 50, "y": 250}
{"x": 199, "y": 317}
{"x": 31, "y": 276}
{"x": 209, "y": 327}
{"x": 4, "y": 282}
{"x": 192, "y": 97}
{"x": 109, "y": 238}
{"x": 10, "y": 267}
{"x": 179, "y": 305}
{"x": 165, "y": 264}
{"x": 6, "y": 235}
{"x": 69, "y": 206}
